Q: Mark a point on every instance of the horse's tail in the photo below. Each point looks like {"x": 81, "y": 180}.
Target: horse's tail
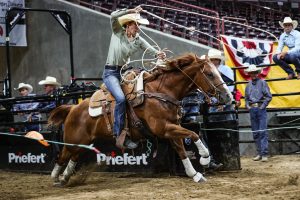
{"x": 58, "y": 115}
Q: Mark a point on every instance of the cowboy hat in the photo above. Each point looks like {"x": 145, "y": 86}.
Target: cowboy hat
{"x": 215, "y": 54}
{"x": 49, "y": 81}
{"x": 24, "y": 85}
{"x": 288, "y": 20}
{"x": 252, "y": 68}
{"x": 136, "y": 17}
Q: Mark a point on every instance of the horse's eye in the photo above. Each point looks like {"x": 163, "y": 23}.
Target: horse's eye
{"x": 210, "y": 75}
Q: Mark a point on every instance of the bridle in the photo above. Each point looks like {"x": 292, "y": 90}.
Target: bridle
{"x": 215, "y": 87}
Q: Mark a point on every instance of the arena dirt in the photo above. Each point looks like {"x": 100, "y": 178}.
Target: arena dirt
{"x": 276, "y": 179}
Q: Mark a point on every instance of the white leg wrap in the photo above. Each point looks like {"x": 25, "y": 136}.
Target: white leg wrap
{"x": 69, "y": 170}
{"x": 55, "y": 172}
{"x": 189, "y": 169}
{"x": 199, "y": 178}
{"x": 204, "y": 161}
{"x": 203, "y": 151}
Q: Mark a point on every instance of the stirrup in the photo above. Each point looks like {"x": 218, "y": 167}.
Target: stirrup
{"x": 129, "y": 144}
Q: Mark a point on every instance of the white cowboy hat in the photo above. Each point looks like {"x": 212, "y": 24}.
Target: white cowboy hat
{"x": 49, "y": 81}
{"x": 215, "y": 54}
{"x": 203, "y": 57}
{"x": 136, "y": 17}
{"x": 252, "y": 68}
{"x": 288, "y": 20}
{"x": 24, "y": 85}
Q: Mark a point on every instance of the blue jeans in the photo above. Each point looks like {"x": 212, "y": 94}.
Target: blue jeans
{"x": 288, "y": 59}
{"x": 111, "y": 78}
{"x": 32, "y": 127}
{"x": 196, "y": 99}
{"x": 259, "y": 122}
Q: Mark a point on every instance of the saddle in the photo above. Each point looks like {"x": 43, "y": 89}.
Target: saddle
{"x": 102, "y": 101}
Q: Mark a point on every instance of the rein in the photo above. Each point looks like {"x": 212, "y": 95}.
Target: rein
{"x": 162, "y": 97}
{"x": 212, "y": 85}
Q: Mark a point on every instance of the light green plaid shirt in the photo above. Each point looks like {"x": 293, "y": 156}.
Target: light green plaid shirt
{"x": 121, "y": 48}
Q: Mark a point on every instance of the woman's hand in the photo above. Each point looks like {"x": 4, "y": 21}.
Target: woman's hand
{"x": 161, "y": 55}
{"x": 137, "y": 9}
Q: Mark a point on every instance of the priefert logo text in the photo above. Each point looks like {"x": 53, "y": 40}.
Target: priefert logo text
{"x": 122, "y": 160}
{"x": 26, "y": 158}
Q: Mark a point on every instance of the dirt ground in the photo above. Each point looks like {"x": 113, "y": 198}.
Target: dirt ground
{"x": 276, "y": 179}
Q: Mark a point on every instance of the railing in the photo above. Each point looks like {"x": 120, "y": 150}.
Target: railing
{"x": 236, "y": 19}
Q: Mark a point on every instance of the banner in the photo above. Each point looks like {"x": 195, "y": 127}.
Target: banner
{"x": 239, "y": 51}
{"x": 18, "y": 33}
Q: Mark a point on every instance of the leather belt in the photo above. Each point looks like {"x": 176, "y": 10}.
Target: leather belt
{"x": 113, "y": 67}
{"x": 255, "y": 105}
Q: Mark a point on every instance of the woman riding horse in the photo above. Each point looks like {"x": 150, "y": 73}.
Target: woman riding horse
{"x": 125, "y": 41}
{"x": 159, "y": 112}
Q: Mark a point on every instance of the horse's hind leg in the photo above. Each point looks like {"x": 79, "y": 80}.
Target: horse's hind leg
{"x": 70, "y": 168}
{"x": 62, "y": 158}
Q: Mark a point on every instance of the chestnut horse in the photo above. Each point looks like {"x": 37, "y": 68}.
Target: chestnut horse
{"x": 160, "y": 115}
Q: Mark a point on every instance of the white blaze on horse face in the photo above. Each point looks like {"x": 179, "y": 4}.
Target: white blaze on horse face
{"x": 222, "y": 89}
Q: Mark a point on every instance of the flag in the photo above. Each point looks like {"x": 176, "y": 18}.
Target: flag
{"x": 239, "y": 51}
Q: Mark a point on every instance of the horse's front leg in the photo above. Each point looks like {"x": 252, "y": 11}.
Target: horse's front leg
{"x": 189, "y": 169}
{"x": 176, "y": 131}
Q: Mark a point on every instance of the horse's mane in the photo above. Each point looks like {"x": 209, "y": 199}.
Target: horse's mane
{"x": 172, "y": 65}
{"x": 180, "y": 61}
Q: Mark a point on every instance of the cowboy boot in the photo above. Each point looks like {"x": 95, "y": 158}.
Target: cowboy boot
{"x": 123, "y": 141}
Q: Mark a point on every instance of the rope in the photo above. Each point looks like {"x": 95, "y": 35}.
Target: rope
{"x": 89, "y": 147}
{"x": 212, "y": 17}
{"x": 245, "y": 131}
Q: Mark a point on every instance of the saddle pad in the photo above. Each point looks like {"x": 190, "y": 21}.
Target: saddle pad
{"x": 94, "y": 112}
{"x": 96, "y": 99}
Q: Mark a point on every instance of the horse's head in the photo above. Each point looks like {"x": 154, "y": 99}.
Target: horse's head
{"x": 202, "y": 74}
{"x": 209, "y": 79}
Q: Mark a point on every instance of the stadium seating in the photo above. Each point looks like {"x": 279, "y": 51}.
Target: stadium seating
{"x": 262, "y": 15}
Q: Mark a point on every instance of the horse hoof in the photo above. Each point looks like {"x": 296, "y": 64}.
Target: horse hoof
{"x": 58, "y": 184}
{"x": 198, "y": 178}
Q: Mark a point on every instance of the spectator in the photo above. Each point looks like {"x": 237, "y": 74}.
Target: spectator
{"x": 290, "y": 38}
{"x": 191, "y": 104}
{"x": 228, "y": 77}
{"x": 238, "y": 95}
{"x": 25, "y": 90}
{"x": 50, "y": 86}
{"x": 125, "y": 41}
{"x": 257, "y": 98}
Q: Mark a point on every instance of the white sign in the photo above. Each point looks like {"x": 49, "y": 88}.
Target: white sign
{"x": 17, "y": 36}
{"x": 122, "y": 160}
{"x": 26, "y": 158}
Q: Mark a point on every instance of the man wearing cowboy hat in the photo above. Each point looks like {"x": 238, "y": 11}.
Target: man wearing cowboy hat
{"x": 227, "y": 75}
{"x": 25, "y": 90}
{"x": 125, "y": 41}
{"x": 257, "y": 98}
{"x": 50, "y": 85}
{"x": 291, "y": 39}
